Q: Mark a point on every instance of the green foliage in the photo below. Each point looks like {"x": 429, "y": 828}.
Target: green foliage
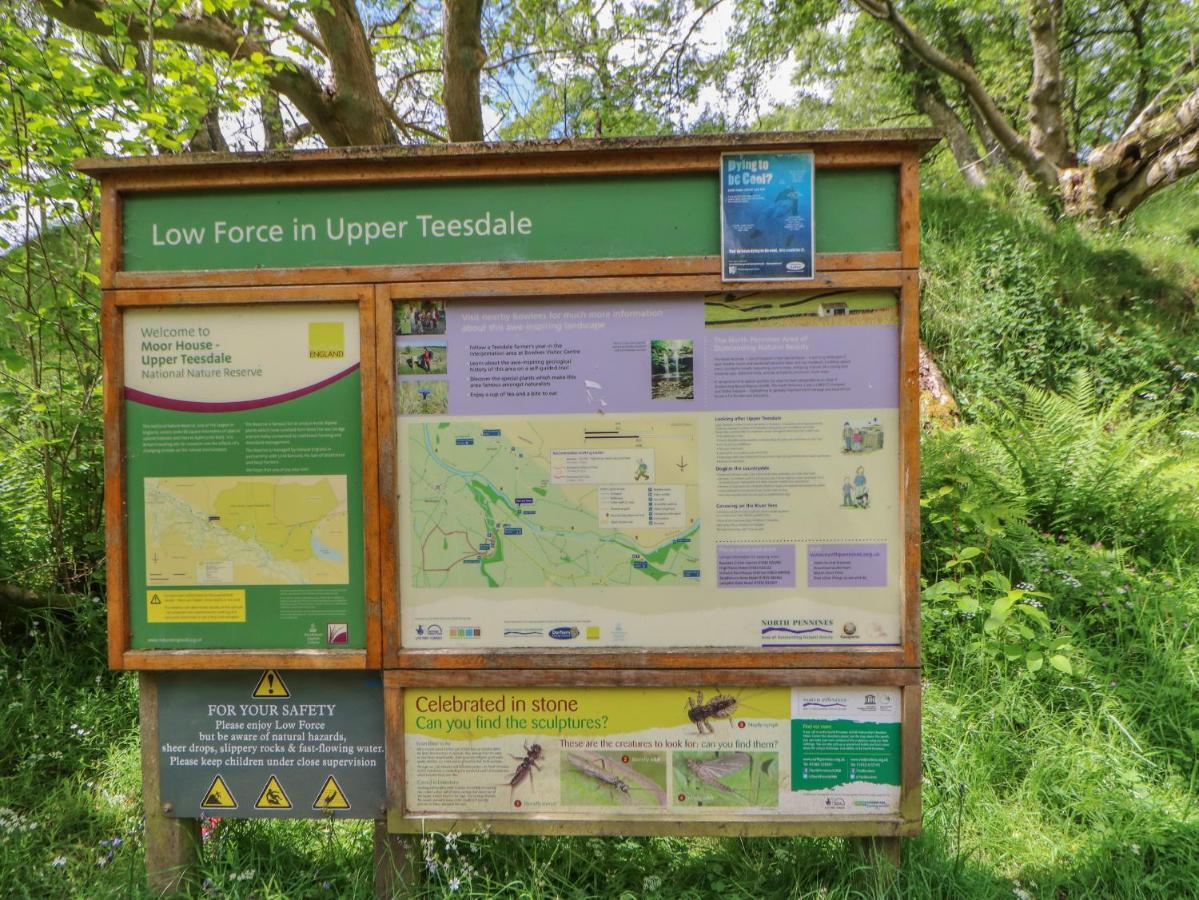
{"x": 1094, "y": 470}
{"x": 1013, "y": 298}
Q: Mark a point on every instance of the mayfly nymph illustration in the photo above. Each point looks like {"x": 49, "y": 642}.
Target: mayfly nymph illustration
{"x": 710, "y": 771}
{"x": 528, "y": 763}
{"x": 721, "y": 706}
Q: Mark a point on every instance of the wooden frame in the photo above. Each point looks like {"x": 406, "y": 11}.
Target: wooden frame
{"x": 120, "y": 654}
{"x": 905, "y": 823}
{"x": 375, "y": 288}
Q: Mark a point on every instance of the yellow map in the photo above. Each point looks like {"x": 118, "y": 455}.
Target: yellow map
{"x": 247, "y": 530}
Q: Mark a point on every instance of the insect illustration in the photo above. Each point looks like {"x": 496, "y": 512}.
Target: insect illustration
{"x": 528, "y": 763}
{"x": 621, "y": 776}
{"x": 720, "y": 706}
{"x": 599, "y": 772}
{"x": 710, "y": 771}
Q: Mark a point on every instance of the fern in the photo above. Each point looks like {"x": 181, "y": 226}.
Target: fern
{"x": 1091, "y": 468}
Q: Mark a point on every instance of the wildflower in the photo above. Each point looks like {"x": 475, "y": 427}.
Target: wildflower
{"x": 1034, "y": 602}
{"x": 651, "y": 883}
{"x": 105, "y": 859}
{"x": 431, "y": 864}
{"x": 455, "y": 883}
{"x": 58, "y": 862}
{"x": 1135, "y": 848}
{"x": 1112, "y": 683}
{"x": 451, "y": 839}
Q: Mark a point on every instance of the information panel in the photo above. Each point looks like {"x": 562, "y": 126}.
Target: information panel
{"x": 659, "y": 752}
{"x": 243, "y": 431}
{"x": 658, "y": 472}
{"x": 271, "y": 744}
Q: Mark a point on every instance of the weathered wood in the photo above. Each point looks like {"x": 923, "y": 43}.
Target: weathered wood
{"x": 909, "y": 462}
{"x": 171, "y": 660}
{"x": 172, "y": 844}
{"x": 586, "y": 824}
{"x": 775, "y": 676}
{"x": 397, "y": 863}
{"x": 883, "y": 852}
{"x": 116, "y": 574}
{"x": 920, "y": 139}
{"x": 112, "y": 241}
{"x": 642, "y": 285}
{"x": 584, "y": 268}
{"x": 368, "y": 346}
{"x": 388, "y": 534}
{"x": 498, "y": 659}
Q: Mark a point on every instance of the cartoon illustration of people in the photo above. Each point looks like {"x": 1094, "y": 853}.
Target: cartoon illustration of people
{"x": 642, "y": 473}
{"x": 847, "y": 493}
{"x": 857, "y": 440}
{"x": 847, "y": 436}
{"x": 861, "y": 494}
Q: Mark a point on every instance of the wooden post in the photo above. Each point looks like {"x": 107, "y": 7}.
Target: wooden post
{"x": 397, "y": 863}
{"x": 885, "y": 853}
{"x": 172, "y": 845}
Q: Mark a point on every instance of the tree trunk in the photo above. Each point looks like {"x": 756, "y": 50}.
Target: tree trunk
{"x": 938, "y": 406}
{"x": 462, "y": 58}
{"x": 1046, "y": 130}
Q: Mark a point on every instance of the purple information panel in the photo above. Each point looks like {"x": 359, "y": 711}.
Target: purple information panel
{"x": 714, "y": 470}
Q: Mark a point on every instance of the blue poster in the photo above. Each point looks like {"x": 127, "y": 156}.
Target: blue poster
{"x": 766, "y": 216}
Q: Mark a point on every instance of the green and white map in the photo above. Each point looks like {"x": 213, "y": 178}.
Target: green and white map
{"x": 552, "y": 502}
{"x": 246, "y": 530}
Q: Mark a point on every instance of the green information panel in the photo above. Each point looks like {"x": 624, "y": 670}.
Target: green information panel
{"x": 244, "y": 477}
{"x": 479, "y": 221}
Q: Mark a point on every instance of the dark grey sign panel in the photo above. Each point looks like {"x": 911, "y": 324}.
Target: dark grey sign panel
{"x": 273, "y": 744}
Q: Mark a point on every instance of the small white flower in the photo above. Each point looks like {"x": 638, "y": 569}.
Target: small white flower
{"x": 58, "y": 862}
{"x": 455, "y": 884}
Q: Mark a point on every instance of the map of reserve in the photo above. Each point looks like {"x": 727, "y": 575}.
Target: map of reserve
{"x": 247, "y": 530}
{"x": 552, "y": 502}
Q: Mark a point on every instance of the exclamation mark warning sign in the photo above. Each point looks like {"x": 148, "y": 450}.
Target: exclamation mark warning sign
{"x": 271, "y": 685}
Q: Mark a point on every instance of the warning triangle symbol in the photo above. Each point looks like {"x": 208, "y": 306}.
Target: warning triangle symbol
{"x": 271, "y": 685}
{"x": 155, "y": 599}
{"x": 273, "y": 796}
{"x": 331, "y": 796}
{"x": 218, "y": 796}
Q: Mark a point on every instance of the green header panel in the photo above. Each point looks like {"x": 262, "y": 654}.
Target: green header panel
{"x": 483, "y": 221}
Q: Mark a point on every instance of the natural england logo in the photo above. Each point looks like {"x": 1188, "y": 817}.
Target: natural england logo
{"x": 326, "y": 340}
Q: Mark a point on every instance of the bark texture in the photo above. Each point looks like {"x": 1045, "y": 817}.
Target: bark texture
{"x": 463, "y": 58}
{"x": 349, "y": 110}
{"x": 1159, "y": 146}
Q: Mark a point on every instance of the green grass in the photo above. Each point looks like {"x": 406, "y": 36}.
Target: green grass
{"x": 1080, "y": 786}
{"x": 1037, "y": 784}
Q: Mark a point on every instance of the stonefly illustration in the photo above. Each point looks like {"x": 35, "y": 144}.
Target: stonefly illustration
{"x": 524, "y": 770}
{"x": 613, "y": 778}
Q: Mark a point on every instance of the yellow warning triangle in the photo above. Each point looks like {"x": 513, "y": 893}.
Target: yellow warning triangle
{"x": 155, "y": 599}
{"x": 218, "y": 796}
{"x": 273, "y": 796}
{"x": 271, "y": 685}
{"x": 331, "y": 796}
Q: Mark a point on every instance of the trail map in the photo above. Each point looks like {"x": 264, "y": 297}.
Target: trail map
{"x": 562, "y": 502}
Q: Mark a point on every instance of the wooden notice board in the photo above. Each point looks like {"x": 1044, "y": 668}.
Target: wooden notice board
{"x": 635, "y": 546}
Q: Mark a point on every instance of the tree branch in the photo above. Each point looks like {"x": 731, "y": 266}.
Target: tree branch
{"x": 1039, "y": 169}
{"x": 291, "y": 24}
{"x": 299, "y": 85}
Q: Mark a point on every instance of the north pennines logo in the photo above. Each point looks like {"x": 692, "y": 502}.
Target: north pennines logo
{"x": 326, "y": 340}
